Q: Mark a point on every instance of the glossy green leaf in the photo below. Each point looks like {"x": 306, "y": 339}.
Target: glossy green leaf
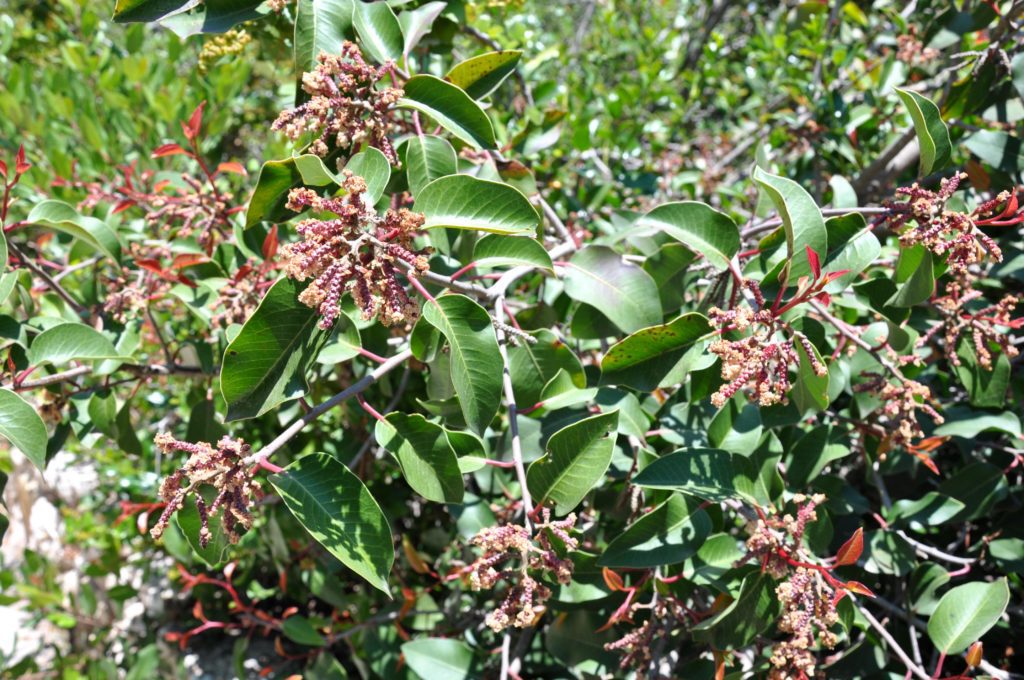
{"x": 699, "y": 227}
{"x": 320, "y": 26}
{"x": 801, "y": 220}
{"x": 431, "y": 658}
{"x": 496, "y": 250}
{"x": 427, "y": 158}
{"x": 378, "y": 29}
{"x": 299, "y": 629}
{"x": 920, "y": 285}
{"x": 810, "y": 390}
{"x": 465, "y": 202}
{"x": 476, "y": 365}
{"x": 69, "y": 341}
{"x": 577, "y": 458}
{"x": 853, "y": 248}
{"x": 929, "y": 510}
{"x": 932, "y": 134}
{"x": 999, "y": 149}
{"x": 451, "y": 108}
{"x": 22, "y": 427}
{"x": 668, "y": 534}
{"x": 624, "y": 292}
{"x": 966, "y": 613}
{"x": 268, "y": 199}
{"x": 416, "y": 23}
{"x": 338, "y": 511}
{"x": 62, "y": 217}
{"x": 534, "y": 364}
{"x": 372, "y": 165}
{"x": 751, "y": 613}
{"x": 428, "y": 462}
{"x": 709, "y": 474}
{"x": 644, "y": 359}
{"x": 216, "y": 16}
{"x": 482, "y": 74}
{"x": 266, "y": 363}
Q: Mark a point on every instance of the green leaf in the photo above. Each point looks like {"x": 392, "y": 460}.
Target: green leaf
{"x": 669, "y": 534}
{"x": 699, "y": 227}
{"x": 268, "y": 199}
{"x": 266, "y": 363}
{"x": 432, "y": 658}
{"x": 750, "y": 614}
{"x": 644, "y": 359}
{"x": 932, "y": 134}
{"x": 451, "y": 107}
{"x": 428, "y": 462}
{"x": 853, "y": 247}
{"x": 416, "y": 23}
{"x": 372, "y": 165}
{"x": 320, "y": 26}
{"x": 986, "y": 387}
{"x": 69, "y": 341}
{"x": 930, "y": 510}
{"x": 1017, "y": 72}
{"x": 378, "y": 29}
{"x": 625, "y": 293}
{"x": 313, "y": 171}
{"x": 495, "y": 250}
{"x": 62, "y": 217}
{"x": 810, "y": 390}
{"x": 22, "y": 427}
{"x": 801, "y": 220}
{"x": 919, "y": 284}
{"x": 217, "y": 550}
{"x": 709, "y": 474}
{"x": 997, "y": 148}
{"x": 476, "y": 363}
{"x": 338, "y": 511}
{"x": 427, "y": 158}
{"x": 967, "y": 612}
{"x": 465, "y": 202}
{"x": 299, "y": 629}
{"x": 189, "y": 17}
{"x": 482, "y": 74}
{"x": 577, "y": 458}
{"x": 534, "y": 364}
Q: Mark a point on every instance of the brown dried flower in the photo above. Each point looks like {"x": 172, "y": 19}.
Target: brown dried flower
{"x": 523, "y": 604}
{"x": 942, "y": 231}
{"x": 345, "y": 108}
{"x": 984, "y": 325}
{"x": 355, "y": 252}
{"x": 224, "y": 469}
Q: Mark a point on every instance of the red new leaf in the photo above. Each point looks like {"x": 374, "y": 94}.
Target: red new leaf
{"x": 812, "y": 257}
{"x": 612, "y": 580}
{"x": 21, "y": 166}
{"x": 859, "y": 588}
{"x": 975, "y": 655}
{"x": 191, "y": 129}
{"x": 850, "y": 551}
{"x": 3, "y": 169}
{"x": 167, "y": 150}
{"x": 270, "y": 244}
{"x": 232, "y": 166}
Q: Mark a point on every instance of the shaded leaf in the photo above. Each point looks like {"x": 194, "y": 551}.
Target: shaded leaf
{"x": 669, "y": 534}
{"x": 427, "y": 459}
{"x": 624, "y": 293}
{"x": 577, "y": 458}
{"x": 465, "y": 202}
{"x": 644, "y": 359}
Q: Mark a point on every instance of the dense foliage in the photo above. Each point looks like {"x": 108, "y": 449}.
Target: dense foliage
{"x": 479, "y": 339}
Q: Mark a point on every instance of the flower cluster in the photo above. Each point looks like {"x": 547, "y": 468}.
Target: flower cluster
{"x": 770, "y": 534}
{"x": 758, "y": 361}
{"x": 982, "y": 325}
{"x": 638, "y": 644}
{"x": 358, "y": 252}
{"x": 225, "y": 469}
{"x": 911, "y": 51}
{"x": 125, "y": 299}
{"x": 238, "y": 298}
{"x": 948, "y": 232}
{"x": 345, "y": 106}
{"x": 808, "y": 612}
{"x": 224, "y": 45}
{"x": 809, "y": 592}
{"x": 901, "y": 402}
{"x": 524, "y": 602}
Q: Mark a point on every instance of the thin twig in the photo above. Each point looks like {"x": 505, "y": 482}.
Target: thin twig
{"x": 893, "y": 645}
{"x": 350, "y": 391}
{"x": 48, "y": 280}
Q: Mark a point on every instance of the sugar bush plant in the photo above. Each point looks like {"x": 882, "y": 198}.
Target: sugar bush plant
{"x": 476, "y": 339}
